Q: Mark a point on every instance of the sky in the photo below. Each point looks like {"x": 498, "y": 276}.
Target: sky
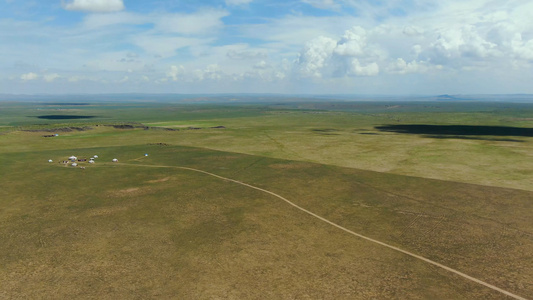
{"x": 385, "y": 47}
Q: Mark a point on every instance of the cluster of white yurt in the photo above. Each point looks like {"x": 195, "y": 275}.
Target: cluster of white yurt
{"x": 73, "y": 160}
{"x": 91, "y": 160}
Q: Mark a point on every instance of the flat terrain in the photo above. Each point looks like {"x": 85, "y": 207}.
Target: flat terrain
{"x": 342, "y": 134}
{"x": 127, "y": 230}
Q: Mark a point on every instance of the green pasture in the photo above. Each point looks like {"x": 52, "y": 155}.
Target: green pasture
{"x": 142, "y": 229}
{"x": 323, "y": 133}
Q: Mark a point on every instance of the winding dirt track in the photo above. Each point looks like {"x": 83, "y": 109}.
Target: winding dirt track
{"x": 343, "y": 229}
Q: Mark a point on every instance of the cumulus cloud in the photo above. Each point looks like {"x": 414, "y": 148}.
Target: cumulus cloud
{"x": 29, "y": 76}
{"x": 349, "y": 56}
{"x": 175, "y": 72}
{"x": 352, "y": 43}
{"x": 356, "y": 68}
{"x": 400, "y": 66}
{"x": 315, "y": 56}
{"x": 179, "y": 73}
{"x": 460, "y": 42}
{"x": 522, "y": 49}
{"x": 213, "y": 72}
{"x": 100, "y": 6}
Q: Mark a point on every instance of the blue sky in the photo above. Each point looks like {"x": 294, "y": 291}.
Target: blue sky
{"x": 258, "y": 46}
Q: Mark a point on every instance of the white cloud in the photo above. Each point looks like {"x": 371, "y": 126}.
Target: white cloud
{"x": 175, "y": 72}
{"x": 95, "y": 5}
{"x": 51, "y": 77}
{"x": 522, "y": 49}
{"x": 480, "y": 38}
{"x": 201, "y": 22}
{"x": 400, "y": 66}
{"x": 315, "y": 56}
{"x": 261, "y": 65}
{"x": 460, "y": 42}
{"x": 351, "y": 55}
{"x": 294, "y": 31}
{"x": 212, "y": 72}
{"x": 352, "y": 43}
{"x": 29, "y": 76}
{"x": 371, "y": 69}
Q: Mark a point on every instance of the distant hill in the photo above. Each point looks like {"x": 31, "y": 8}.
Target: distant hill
{"x": 257, "y": 98}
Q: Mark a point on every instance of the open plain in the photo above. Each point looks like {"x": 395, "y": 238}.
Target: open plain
{"x": 448, "y": 181}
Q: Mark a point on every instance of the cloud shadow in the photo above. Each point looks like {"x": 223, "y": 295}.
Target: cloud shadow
{"x": 459, "y": 131}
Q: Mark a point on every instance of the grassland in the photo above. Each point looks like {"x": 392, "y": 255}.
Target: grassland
{"x": 341, "y": 134}
{"x": 130, "y": 231}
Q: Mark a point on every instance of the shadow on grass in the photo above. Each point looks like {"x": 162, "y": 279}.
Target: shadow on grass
{"x": 472, "y": 138}
{"x": 459, "y": 131}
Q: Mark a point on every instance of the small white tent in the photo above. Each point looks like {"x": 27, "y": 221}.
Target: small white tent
{"x": 95, "y": 156}
{"x": 74, "y": 164}
{"x": 115, "y": 160}
{"x": 50, "y": 160}
{"x": 91, "y": 161}
{"x": 73, "y": 158}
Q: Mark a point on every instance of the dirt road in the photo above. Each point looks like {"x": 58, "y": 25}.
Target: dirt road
{"x": 342, "y": 228}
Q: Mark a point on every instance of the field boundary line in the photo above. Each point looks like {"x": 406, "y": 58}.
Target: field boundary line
{"x": 493, "y": 287}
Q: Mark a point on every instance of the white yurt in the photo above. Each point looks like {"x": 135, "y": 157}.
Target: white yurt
{"x": 50, "y": 160}
{"x": 73, "y": 158}
{"x": 95, "y": 156}
{"x": 115, "y": 160}
{"x": 91, "y": 161}
{"x": 74, "y": 164}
